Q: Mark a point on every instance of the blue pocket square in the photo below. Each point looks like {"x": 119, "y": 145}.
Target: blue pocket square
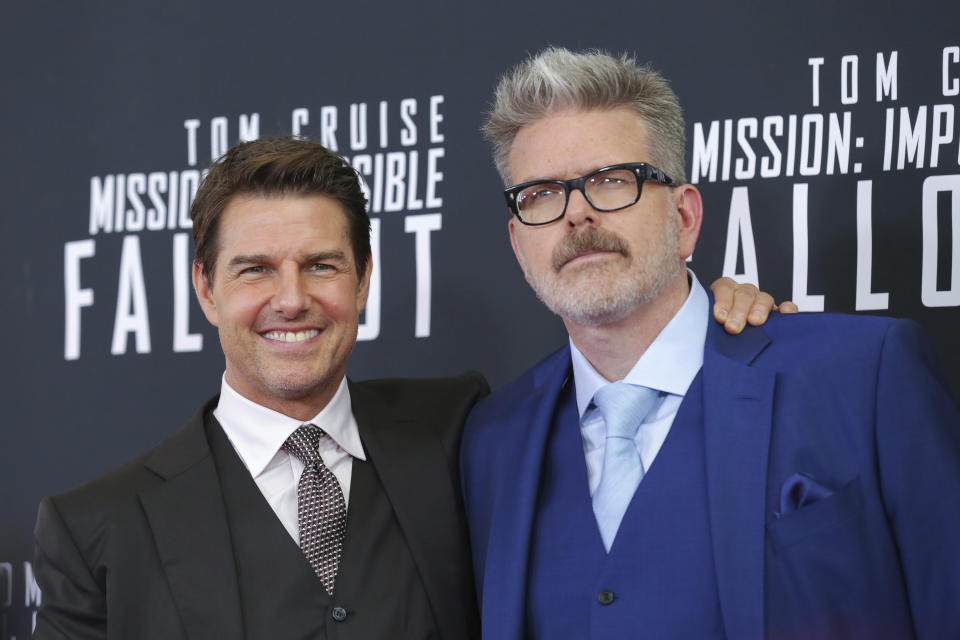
{"x": 798, "y": 491}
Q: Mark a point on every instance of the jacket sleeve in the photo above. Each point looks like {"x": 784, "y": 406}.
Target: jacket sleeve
{"x": 73, "y": 603}
{"x": 918, "y": 448}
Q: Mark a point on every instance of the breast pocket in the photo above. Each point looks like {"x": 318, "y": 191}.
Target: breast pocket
{"x": 846, "y": 504}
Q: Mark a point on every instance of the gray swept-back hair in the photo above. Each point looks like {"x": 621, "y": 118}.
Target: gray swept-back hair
{"x": 557, "y": 79}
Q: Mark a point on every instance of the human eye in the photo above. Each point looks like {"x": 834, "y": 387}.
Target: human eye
{"x": 252, "y": 270}
{"x": 612, "y": 180}
{"x": 545, "y": 192}
{"x": 538, "y": 194}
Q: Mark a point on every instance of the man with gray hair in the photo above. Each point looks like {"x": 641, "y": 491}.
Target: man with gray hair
{"x": 658, "y": 477}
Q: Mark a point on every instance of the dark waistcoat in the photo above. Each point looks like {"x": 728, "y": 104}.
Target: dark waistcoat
{"x": 658, "y": 581}
{"x": 378, "y": 587}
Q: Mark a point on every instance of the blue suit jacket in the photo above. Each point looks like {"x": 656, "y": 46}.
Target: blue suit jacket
{"x": 833, "y": 473}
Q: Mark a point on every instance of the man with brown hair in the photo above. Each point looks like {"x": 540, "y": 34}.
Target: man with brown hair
{"x": 204, "y": 536}
{"x": 296, "y": 503}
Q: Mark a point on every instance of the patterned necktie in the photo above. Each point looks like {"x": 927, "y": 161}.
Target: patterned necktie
{"x": 321, "y": 512}
{"x": 624, "y": 408}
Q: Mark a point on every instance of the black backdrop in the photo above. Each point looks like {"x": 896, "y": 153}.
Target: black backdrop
{"x": 111, "y": 111}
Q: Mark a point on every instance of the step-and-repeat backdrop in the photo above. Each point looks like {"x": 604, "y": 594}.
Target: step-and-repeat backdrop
{"x": 825, "y": 140}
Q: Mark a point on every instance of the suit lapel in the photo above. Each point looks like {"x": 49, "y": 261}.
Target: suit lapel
{"x": 409, "y": 468}
{"x": 738, "y": 409}
{"x": 189, "y": 524}
{"x": 505, "y": 580}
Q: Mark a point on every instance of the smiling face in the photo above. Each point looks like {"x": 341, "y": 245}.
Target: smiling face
{"x": 285, "y": 298}
{"x": 595, "y": 268}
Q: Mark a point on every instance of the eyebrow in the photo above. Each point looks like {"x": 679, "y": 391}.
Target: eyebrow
{"x": 320, "y": 256}
{"x": 255, "y": 258}
{"x": 261, "y": 258}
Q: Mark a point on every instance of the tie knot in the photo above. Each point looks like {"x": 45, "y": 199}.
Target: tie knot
{"x": 624, "y": 407}
{"x": 304, "y": 443}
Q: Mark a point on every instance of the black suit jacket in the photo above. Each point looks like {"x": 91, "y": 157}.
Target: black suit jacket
{"x": 145, "y": 552}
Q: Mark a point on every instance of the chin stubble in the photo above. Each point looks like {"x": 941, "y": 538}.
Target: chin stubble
{"x": 600, "y": 293}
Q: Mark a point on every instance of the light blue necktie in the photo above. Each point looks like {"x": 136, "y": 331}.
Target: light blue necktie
{"x": 624, "y": 408}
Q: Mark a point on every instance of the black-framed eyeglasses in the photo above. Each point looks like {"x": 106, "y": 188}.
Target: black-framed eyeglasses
{"x": 608, "y": 189}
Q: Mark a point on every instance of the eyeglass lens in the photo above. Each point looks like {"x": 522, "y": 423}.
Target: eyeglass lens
{"x": 606, "y": 191}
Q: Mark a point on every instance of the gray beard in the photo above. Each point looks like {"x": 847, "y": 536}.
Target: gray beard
{"x": 599, "y": 294}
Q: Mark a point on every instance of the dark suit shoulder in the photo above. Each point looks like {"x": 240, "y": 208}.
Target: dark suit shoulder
{"x": 109, "y": 498}
{"x": 403, "y": 391}
{"x": 420, "y": 398}
{"x": 425, "y": 408}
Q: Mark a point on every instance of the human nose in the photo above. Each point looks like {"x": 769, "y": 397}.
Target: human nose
{"x": 290, "y": 297}
{"x": 579, "y": 210}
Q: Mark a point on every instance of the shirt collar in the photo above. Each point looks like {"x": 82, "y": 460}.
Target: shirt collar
{"x": 257, "y": 433}
{"x": 669, "y": 364}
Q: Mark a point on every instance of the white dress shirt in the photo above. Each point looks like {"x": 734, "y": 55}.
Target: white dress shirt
{"x": 669, "y": 365}
{"x": 257, "y": 433}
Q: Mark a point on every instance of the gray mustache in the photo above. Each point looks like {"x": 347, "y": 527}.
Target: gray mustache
{"x": 591, "y": 239}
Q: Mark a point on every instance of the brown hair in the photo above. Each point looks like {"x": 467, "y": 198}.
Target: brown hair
{"x": 278, "y": 167}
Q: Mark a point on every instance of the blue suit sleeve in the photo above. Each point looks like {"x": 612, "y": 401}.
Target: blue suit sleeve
{"x": 918, "y": 448}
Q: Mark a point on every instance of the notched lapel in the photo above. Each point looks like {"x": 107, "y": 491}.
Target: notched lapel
{"x": 505, "y": 580}
{"x": 738, "y": 413}
{"x": 189, "y": 524}
{"x": 414, "y": 473}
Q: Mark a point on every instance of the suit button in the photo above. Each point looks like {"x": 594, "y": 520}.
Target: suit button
{"x": 339, "y": 614}
{"x": 605, "y": 597}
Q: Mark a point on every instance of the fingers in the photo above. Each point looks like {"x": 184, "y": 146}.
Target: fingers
{"x": 737, "y": 304}
{"x": 758, "y": 309}
{"x": 748, "y": 304}
{"x": 723, "y": 289}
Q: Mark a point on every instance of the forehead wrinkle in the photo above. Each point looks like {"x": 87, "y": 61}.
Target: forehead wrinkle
{"x": 575, "y": 167}
{"x": 589, "y": 153}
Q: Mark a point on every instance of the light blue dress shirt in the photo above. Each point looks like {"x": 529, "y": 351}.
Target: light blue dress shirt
{"x": 669, "y": 365}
